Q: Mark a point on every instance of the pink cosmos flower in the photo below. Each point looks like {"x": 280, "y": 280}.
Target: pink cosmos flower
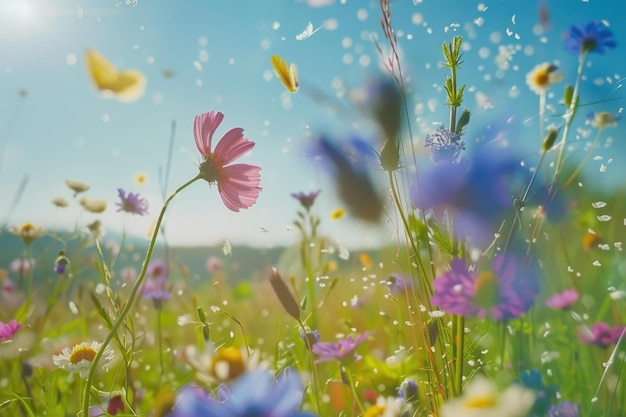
{"x": 563, "y": 300}
{"x": 238, "y": 184}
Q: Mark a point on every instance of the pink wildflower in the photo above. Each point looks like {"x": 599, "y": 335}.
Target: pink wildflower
{"x": 563, "y": 300}
{"x": 8, "y": 330}
{"x": 237, "y": 184}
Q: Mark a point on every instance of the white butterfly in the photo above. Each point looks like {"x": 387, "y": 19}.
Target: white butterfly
{"x": 308, "y": 32}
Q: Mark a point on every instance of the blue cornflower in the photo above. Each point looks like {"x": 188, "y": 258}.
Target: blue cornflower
{"x": 444, "y": 145}
{"x": 594, "y": 37}
{"x": 545, "y": 394}
{"x": 564, "y": 409}
{"x": 476, "y": 192}
{"x": 131, "y": 203}
{"x": 255, "y": 394}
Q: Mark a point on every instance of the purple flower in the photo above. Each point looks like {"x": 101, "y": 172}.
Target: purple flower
{"x": 601, "y": 334}
{"x": 343, "y": 350}
{"x": 564, "y": 409}
{"x": 594, "y": 37}
{"x": 8, "y": 330}
{"x": 158, "y": 270}
{"x": 306, "y": 200}
{"x": 132, "y": 203}
{"x": 398, "y": 284}
{"x": 563, "y": 300}
{"x": 255, "y": 394}
{"x": 444, "y": 145}
{"x": 476, "y": 192}
{"x": 505, "y": 292}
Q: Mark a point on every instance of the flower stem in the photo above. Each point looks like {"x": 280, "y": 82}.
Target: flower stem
{"x": 569, "y": 117}
{"x": 131, "y": 298}
{"x": 580, "y": 166}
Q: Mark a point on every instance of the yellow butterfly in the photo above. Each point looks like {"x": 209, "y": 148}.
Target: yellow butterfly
{"x": 288, "y": 74}
{"x": 126, "y": 85}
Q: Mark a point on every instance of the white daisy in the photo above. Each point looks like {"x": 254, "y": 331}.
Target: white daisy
{"x": 221, "y": 364}
{"x": 78, "y": 359}
{"x": 540, "y": 78}
{"x": 481, "y": 398}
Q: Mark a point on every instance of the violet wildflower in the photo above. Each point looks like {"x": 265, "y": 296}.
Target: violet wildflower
{"x": 158, "y": 270}
{"x": 408, "y": 390}
{"x": 444, "y": 145}
{"x": 593, "y": 37}
{"x": 601, "y": 334}
{"x": 564, "y": 409}
{"x": 563, "y": 300}
{"x": 8, "y": 330}
{"x": 310, "y": 338}
{"x": 306, "y": 199}
{"x": 398, "y": 284}
{"x": 342, "y": 350}
{"x": 255, "y": 394}
{"x": 131, "y": 203}
{"x": 505, "y": 292}
{"x": 61, "y": 263}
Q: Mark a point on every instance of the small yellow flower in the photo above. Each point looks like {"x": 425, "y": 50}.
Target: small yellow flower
{"x": 60, "y": 202}
{"x": 540, "y": 78}
{"x": 28, "y": 232}
{"x": 93, "y": 206}
{"x": 337, "y": 214}
{"x": 77, "y": 186}
{"x": 141, "y": 178}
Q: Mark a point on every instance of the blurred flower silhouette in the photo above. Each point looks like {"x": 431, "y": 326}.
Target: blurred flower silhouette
{"x": 602, "y": 120}
{"x": 131, "y": 203}
{"x": 238, "y": 184}
{"x": 352, "y": 179}
{"x": 444, "y": 145}
{"x": 593, "y": 37}
{"x": 564, "y": 409}
{"x": 306, "y": 199}
{"x": 255, "y": 394}
{"x": 28, "y": 232}
{"x": 126, "y": 85}
{"x": 8, "y": 330}
{"x": 476, "y": 192}
{"x": 505, "y": 292}
{"x": 601, "y": 334}
{"x": 563, "y": 300}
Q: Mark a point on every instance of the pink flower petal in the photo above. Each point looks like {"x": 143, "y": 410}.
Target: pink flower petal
{"x": 239, "y": 186}
{"x": 203, "y": 128}
{"x": 232, "y": 146}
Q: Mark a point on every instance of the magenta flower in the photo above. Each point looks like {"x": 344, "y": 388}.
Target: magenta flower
{"x": 593, "y": 37}
{"x": 131, "y": 203}
{"x": 505, "y": 292}
{"x": 600, "y": 334}
{"x": 563, "y": 300}
{"x": 343, "y": 350}
{"x": 8, "y": 330}
{"x": 237, "y": 184}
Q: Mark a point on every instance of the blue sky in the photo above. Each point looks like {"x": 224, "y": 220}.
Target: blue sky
{"x": 219, "y": 53}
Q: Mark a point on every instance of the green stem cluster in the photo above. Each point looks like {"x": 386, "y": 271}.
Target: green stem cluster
{"x": 131, "y": 298}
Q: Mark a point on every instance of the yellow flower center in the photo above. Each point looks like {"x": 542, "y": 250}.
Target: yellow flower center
{"x": 228, "y": 363}
{"x": 542, "y": 78}
{"x": 27, "y": 228}
{"x": 486, "y": 289}
{"x": 374, "y": 411}
{"x": 80, "y": 353}
{"x": 480, "y": 402}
